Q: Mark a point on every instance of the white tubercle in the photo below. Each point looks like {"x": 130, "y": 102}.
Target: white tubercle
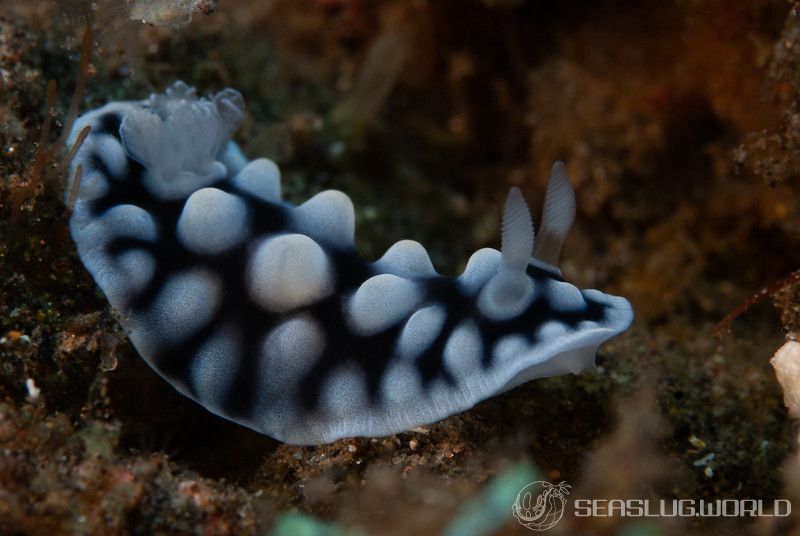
{"x": 382, "y": 301}
{"x": 290, "y": 350}
{"x": 212, "y": 221}
{"x": 329, "y": 218}
{"x": 420, "y": 331}
{"x": 287, "y": 272}
{"x": 481, "y": 266}
{"x": 260, "y": 178}
{"x": 186, "y": 303}
{"x": 406, "y": 258}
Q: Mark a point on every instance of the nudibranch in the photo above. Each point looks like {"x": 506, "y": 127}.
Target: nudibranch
{"x": 263, "y": 312}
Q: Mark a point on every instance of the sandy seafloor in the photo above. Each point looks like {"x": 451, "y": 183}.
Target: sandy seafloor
{"x": 680, "y": 126}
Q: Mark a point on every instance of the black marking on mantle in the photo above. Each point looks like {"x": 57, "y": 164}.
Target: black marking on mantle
{"x": 371, "y": 354}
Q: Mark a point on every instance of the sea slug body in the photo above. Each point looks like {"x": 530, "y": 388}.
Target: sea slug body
{"x": 264, "y": 313}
